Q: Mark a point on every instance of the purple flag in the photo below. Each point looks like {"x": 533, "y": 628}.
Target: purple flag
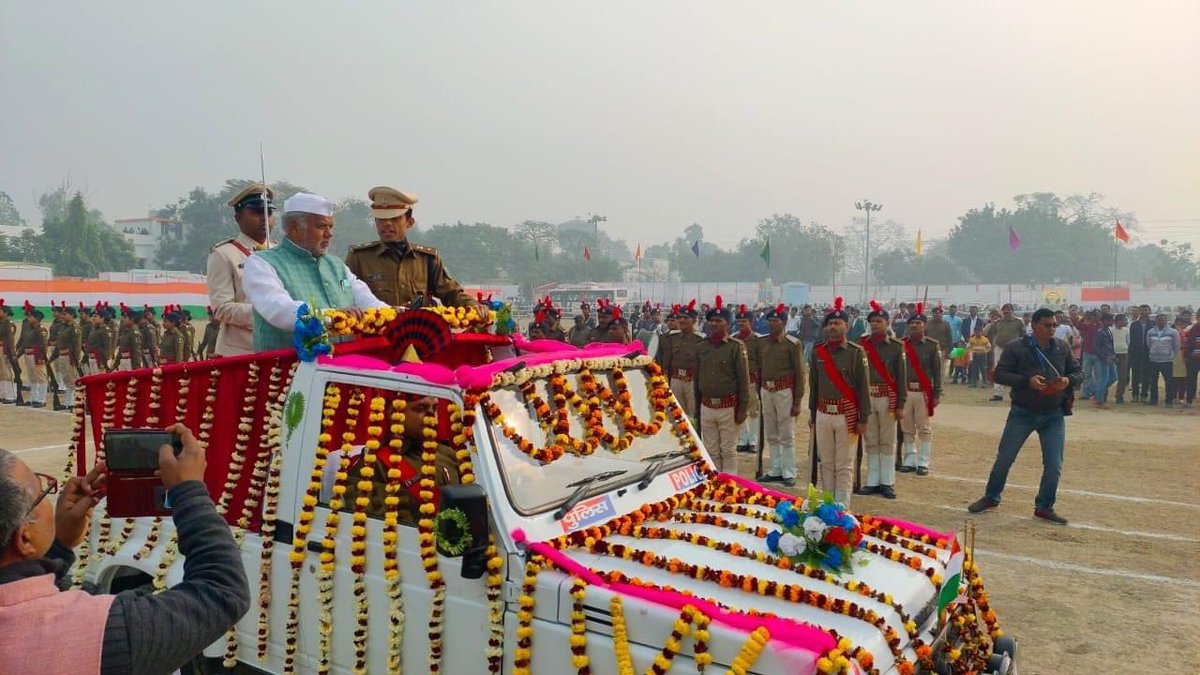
{"x": 1014, "y": 242}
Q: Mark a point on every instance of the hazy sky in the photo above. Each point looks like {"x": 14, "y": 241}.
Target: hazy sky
{"x": 655, "y": 114}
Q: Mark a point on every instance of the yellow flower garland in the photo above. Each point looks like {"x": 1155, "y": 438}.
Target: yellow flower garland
{"x": 495, "y": 586}
{"x": 358, "y": 529}
{"x": 426, "y": 540}
{"x": 620, "y": 636}
{"x": 373, "y": 321}
{"x": 681, "y": 628}
{"x": 332, "y": 402}
{"x": 579, "y": 657}
{"x": 391, "y": 536}
{"x": 270, "y": 450}
{"x": 462, "y": 318}
{"x": 523, "y": 654}
{"x": 700, "y": 637}
{"x": 754, "y": 645}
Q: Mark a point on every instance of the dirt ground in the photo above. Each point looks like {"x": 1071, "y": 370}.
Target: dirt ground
{"x": 1116, "y": 590}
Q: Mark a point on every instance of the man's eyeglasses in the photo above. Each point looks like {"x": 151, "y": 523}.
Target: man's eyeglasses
{"x": 1043, "y": 324}
{"x": 49, "y": 487}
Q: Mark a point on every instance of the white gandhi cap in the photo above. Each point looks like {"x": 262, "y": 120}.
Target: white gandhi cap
{"x": 304, "y": 202}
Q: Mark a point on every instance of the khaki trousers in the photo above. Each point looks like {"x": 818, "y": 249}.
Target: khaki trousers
{"x": 685, "y": 393}
{"x": 719, "y": 432}
{"x": 880, "y": 444}
{"x": 66, "y": 379}
{"x": 780, "y": 430}
{"x": 914, "y": 419}
{"x": 835, "y": 447}
{"x": 748, "y": 434}
{"x": 8, "y": 387}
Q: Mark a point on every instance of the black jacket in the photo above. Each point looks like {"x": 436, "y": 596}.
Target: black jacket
{"x": 1018, "y": 364}
{"x": 148, "y": 633}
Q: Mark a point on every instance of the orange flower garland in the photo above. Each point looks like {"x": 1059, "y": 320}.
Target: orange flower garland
{"x": 744, "y": 661}
{"x": 358, "y": 529}
{"x": 579, "y": 657}
{"x": 523, "y": 654}
{"x": 495, "y": 587}
{"x": 391, "y": 537}
{"x": 425, "y": 539}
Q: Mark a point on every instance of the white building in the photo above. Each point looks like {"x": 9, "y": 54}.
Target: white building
{"x": 146, "y": 233}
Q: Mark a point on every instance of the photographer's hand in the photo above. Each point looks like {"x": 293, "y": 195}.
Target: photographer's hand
{"x": 73, "y": 511}
{"x": 190, "y": 463}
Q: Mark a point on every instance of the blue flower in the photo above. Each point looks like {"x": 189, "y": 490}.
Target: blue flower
{"x": 773, "y": 541}
{"x": 782, "y": 508}
{"x": 829, "y": 514}
{"x": 833, "y": 558}
{"x": 790, "y": 519}
{"x": 847, "y": 522}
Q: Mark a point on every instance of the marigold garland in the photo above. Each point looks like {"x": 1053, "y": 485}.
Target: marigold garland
{"x": 744, "y": 661}
{"x": 671, "y": 646}
{"x": 373, "y": 321}
{"x": 271, "y": 454}
{"x": 579, "y": 657}
{"x": 237, "y": 458}
{"x": 495, "y": 586}
{"x": 165, "y": 561}
{"x": 358, "y": 529}
{"x": 523, "y": 654}
{"x": 458, "y": 443}
{"x": 700, "y": 637}
{"x": 391, "y": 535}
{"x": 151, "y": 539}
{"x": 296, "y": 558}
{"x": 155, "y": 398}
{"x": 463, "y": 318}
{"x": 427, "y": 541}
{"x": 616, "y": 607}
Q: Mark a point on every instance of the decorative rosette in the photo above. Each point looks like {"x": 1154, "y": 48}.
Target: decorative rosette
{"x": 818, "y": 533}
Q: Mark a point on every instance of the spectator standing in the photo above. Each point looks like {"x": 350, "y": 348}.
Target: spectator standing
{"x": 809, "y": 330}
{"x": 1106, "y": 357}
{"x": 970, "y": 323}
{"x": 1139, "y": 355}
{"x": 1002, "y": 331}
{"x": 1162, "y": 343}
{"x": 858, "y": 327}
{"x": 1041, "y": 371}
{"x": 980, "y": 347}
{"x": 1191, "y": 355}
{"x": 1120, "y": 333}
{"x": 939, "y": 329}
{"x": 1088, "y": 326}
{"x": 1179, "y": 367}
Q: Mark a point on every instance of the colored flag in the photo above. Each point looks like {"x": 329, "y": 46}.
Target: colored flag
{"x": 637, "y": 255}
{"x": 587, "y": 254}
{"x": 696, "y": 248}
{"x": 766, "y": 253}
{"x": 952, "y": 578}
{"x": 1121, "y": 234}
{"x": 1014, "y": 242}
{"x": 536, "y": 253}
{"x": 920, "y": 248}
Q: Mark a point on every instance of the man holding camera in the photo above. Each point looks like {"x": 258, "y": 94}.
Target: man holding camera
{"x": 44, "y": 629}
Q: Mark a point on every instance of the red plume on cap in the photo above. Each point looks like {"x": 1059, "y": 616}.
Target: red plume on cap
{"x": 720, "y": 302}
{"x": 479, "y": 296}
{"x": 28, "y": 306}
{"x": 691, "y": 305}
{"x": 781, "y": 309}
{"x": 616, "y": 314}
{"x": 742, "y": 309}
{"x": 875, "y": 307}
{"x": 80, "y": 304}
{"x": 539, "y": 317}
{"x": 920, "y": 309}
{"x": 208, "y": 308}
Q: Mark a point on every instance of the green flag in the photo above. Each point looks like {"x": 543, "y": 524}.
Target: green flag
{"x": 766, "y": 253}
{"x": 536, "y": 253}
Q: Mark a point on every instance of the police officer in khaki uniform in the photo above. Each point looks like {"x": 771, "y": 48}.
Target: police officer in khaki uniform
{"x": 33, "y": 348}
{"x": 723, "y": 380}
{"x": 253, "y": 210}
{"x": 780, "y": 363}
{"x": 923, "y": 364}
{"x": 396, "y": 271}
{"x": 170, "y": 346}
{"x": 8, "y": 355}
{"x": 889, "y": 389}
{"x": 839, "y": 403}
{"x": 677, "y": 356}
{"x": 188, "y": 331}
{"x": 67, "y": 356}
{"x": 151, "y": 335}
{"x": 748, "y": 434}
{"x": 601, "y": 332}
{"x": 129, "y": 342}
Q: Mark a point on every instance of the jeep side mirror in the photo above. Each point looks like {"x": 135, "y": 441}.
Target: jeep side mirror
{"x": 461, "y": 527}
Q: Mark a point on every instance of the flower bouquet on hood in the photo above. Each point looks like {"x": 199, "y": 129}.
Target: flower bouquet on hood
{"x": 817, "y": 532}
{"x": 309, "y": 336}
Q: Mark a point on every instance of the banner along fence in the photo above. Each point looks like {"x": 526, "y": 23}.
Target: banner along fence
{"x": 15, "y": 292}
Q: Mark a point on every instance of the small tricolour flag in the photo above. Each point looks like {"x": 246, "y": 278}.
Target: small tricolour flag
{"x": 952, "y": 579}
{"x": 1120, "y": 233}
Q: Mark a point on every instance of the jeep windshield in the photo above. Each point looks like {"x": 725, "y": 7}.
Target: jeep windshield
{"x": 534, "y": 487}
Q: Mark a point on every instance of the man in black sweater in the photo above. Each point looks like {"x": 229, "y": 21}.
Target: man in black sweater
{"x": 1042, "y": 373}
{"x": 140, "y": 632}
{"x": 1139, "y": 354}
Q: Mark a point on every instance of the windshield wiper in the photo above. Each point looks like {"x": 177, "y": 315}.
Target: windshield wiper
{"x": 582, "y": 485}
{"x": 650, "y": 474}
{"x": 667, "y": 455}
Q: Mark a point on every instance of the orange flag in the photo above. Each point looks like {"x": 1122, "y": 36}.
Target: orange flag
{"x": 1121, "y": 234}
{"x": 587, "y": 254}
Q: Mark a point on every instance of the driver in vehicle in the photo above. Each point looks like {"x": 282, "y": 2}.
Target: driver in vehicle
{"x": 407, "y": 465}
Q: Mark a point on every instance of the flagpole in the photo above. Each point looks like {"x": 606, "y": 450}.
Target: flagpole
{"x": 1116, "y": 244}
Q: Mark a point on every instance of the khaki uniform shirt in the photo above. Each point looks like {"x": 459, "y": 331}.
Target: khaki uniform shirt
{"x": 170, "y": 346}
{"x": 399, "y": 278}
{"x": 7, "y": 329}
{"x": 446, "y": 473}
{"x": 52, "y": 332}
{"x": 1004, "y": 331}
{"x": 150, "y": 340}
{"x": 209, "y": 343}
{"x": 930, "y": 356}
{"x": 69, "y": 345}
{"x": 891, "y": 353}
{"x": 751, "y": 342}
{"x": 129, "y": 345}
{"x": 188, "y": 333}
{"x": 35, "y": 343}
{"x": 722, "y": 370}
{"x": 851, "y": 363}
{"x": 941, "y": 332}
{"x": 99, "y": 342}
{"x": 779, "y": 359}
{"x": 677, "y": 351}
{"x": 228, "y": 299}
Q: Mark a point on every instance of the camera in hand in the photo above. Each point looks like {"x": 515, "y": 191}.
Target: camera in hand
{"x": 132, "y": 455}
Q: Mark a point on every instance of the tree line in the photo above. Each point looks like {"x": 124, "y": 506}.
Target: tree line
{"x": 1062, "y": 240}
